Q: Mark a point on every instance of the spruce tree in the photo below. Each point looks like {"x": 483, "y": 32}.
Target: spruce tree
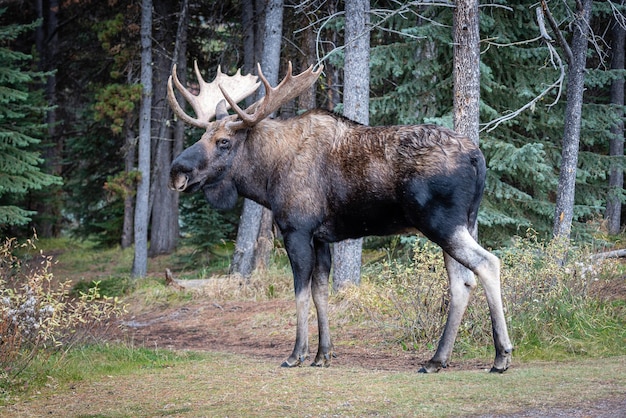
{"x": 21, "y": 127}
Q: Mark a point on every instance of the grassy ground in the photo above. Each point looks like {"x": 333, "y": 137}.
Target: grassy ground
{"x": 221, "y": 385}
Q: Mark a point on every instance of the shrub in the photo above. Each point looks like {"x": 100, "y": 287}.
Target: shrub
{"x": 407, "y": 300}
{"x": 39, "y": 316}
{"x": 546, "y": 289}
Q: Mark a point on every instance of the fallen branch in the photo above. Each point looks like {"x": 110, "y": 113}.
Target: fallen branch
{"x": 609, "y": 254}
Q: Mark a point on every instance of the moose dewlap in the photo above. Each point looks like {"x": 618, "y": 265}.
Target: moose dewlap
{"x": 327, "y": 178}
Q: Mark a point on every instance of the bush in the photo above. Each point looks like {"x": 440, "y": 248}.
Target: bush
{"x": 546, "y": 289}
{"x": 39, "y": 316}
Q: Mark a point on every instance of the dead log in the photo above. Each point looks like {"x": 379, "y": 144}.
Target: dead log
{"x": 609, "y": 254}
{"x": 170, "y": 281}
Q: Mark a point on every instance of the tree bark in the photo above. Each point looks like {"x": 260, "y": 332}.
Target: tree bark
{"x": 48, "y": 206}
{"x": 249, "y": 26}
{"x": 307, "y": 99}
{"x": 130, "y": 153}
{"x": 466, "y": 71}
{"x": 140, "y": 261}
{"x": 347, "y": 254}
{"x": 255, "y": 236}
{"x": 164, "y": 229}
{"x": 616, "y": 143}
{"x": 564, "y": 211}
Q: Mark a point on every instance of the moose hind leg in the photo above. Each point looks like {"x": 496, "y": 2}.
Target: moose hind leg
{"x": 462, "y": 283}
{"x": 487, "y": 267}
{"x": 320, "y": 298}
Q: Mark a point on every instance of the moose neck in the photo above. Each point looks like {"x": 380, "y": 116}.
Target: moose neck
{"x": 268, "y": 146}
{"x": 275, "y": 150}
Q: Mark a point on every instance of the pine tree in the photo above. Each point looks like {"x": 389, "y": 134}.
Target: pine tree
{"x": 21, "y": 127}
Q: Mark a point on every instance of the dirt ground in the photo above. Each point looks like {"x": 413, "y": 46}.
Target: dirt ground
{"x": 266, "y": 329}
{"x": 263, "y": 329}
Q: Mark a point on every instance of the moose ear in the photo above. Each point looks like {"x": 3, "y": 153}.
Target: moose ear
{"x": 221, "y": 110}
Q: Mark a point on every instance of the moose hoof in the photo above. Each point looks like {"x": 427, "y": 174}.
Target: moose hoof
{"x": 502, "y": 362}
{"x": 294, "y": 362}
{"x": 431, "y": 367}
{"x": 323, "y": 360}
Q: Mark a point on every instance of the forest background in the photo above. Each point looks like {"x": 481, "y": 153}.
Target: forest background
{"x": 70, "y": 93}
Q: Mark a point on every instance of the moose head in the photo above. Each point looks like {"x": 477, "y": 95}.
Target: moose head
{"x": 206, "y": 165}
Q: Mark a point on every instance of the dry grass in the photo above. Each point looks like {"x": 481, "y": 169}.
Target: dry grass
{"x": 229, "y": 385}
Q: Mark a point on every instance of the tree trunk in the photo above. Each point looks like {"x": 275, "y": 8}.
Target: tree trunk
{"x": 466, "y": 71}
{"x": 164, "y": 229}
{"x": 564, "y": 211}
{"x": 140, "y": 261}
{"x": 249, "y": 26}
{"x": 616, "y": 143}
{"x": 48, "y": 205}
{"x": 333, "y": 82}
{"x": 180, "y": 57}
{"x": 307, "y": 99}
{"x": 255, "y": 236}
{"x": 130, "y": 153}
{"x": 347, "y": 254}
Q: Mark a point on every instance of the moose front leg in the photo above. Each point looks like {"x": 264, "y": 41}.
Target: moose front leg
{"x": 320, "y": 297}
{"x": 302, "y": 258}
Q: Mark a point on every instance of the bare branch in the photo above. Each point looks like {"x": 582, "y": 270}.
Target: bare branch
{"x": 617, "y": 14}
{"x": 557, "y": 32}
{"x": 556, "y": 61}
{"x": 383, "y": 14}
{"x": 489, "y": 41}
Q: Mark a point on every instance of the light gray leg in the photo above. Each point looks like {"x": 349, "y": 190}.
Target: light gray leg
{"x": 320, "y": 297}
{"x": 462, "y": 283}
{"x": 486, "y": 266}
{"x": 301, "y": 348}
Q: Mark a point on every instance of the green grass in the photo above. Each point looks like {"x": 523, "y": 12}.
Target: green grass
{"x": 87, "y": 363}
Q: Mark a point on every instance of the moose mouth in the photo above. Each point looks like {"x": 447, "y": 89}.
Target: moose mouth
{"x": 184, "y": 183}
{"x": 179, "y": 183}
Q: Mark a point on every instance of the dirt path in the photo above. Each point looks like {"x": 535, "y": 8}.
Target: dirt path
{"x": 263, "y": 329}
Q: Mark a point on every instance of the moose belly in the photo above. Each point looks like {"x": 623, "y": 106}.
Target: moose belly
{"x": 364, "y": 219}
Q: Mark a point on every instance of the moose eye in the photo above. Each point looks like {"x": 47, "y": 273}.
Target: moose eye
{"x": 223, "y": 143}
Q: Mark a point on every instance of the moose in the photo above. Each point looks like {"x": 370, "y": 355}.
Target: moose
{"x": 327, "y": 178}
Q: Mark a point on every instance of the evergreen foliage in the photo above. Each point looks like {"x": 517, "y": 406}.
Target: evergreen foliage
{"x": 21, "y": 128}
{"x": 99, "y": 112}
{"x": 203, "y": 226}
{"x": 411, "y": 83}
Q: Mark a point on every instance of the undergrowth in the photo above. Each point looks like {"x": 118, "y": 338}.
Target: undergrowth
{"x": 50, "y": 331}
{"x": 40, "y": 319}
{"x": 551, "y": 310}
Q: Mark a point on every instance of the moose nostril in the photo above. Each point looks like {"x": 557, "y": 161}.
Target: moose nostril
{"x": 179, "y": 182}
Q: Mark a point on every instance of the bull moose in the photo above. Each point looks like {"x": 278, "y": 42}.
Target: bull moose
{"x": 327, "y": 178}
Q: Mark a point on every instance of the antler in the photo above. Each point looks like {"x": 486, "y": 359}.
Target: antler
{"x": 291, "y": 87}
{"x": 205, "y": 103}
